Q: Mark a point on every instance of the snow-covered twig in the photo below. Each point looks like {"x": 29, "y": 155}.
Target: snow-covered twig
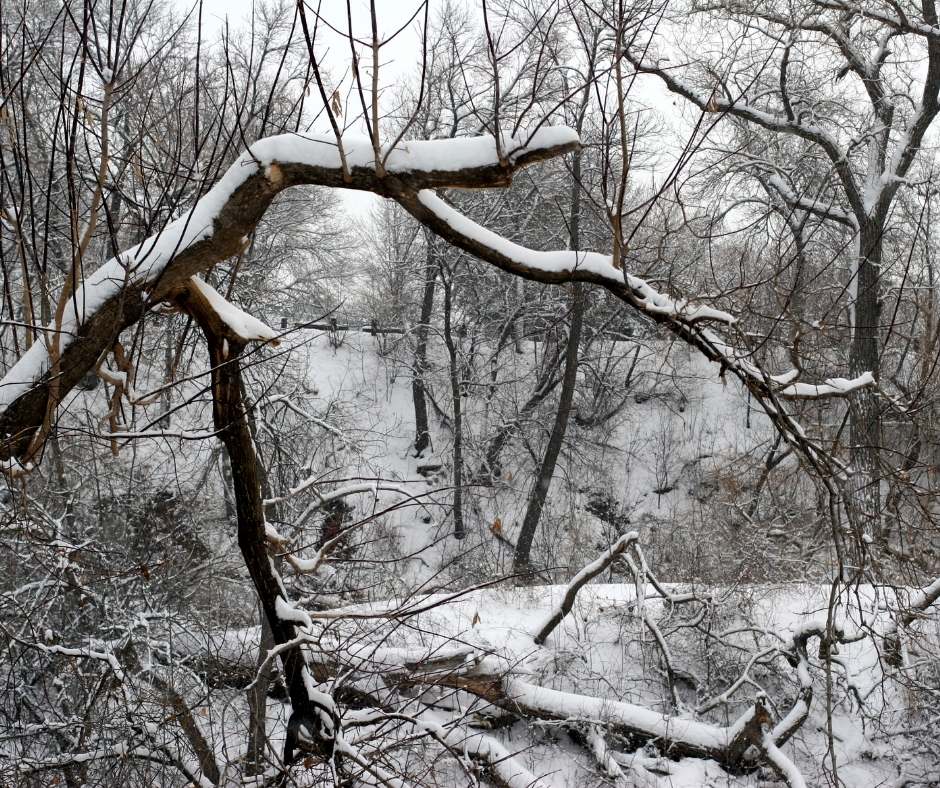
{"x": 581, "y": 579}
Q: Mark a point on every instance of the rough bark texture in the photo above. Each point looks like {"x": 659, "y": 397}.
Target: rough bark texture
{"x": 865, "y": 413}
{"x": 236, "y": 220}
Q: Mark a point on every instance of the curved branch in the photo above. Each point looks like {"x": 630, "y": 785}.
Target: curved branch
{"x": 119, "y": 293}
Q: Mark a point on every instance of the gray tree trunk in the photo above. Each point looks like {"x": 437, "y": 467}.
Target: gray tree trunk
{"x": 459, "y": 531}
{"x": 530, "y": 523}
{"x": 865, "y": 413}
{"x": 420, "y": 367}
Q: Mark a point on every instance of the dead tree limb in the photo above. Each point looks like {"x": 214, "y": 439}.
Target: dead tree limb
{"x": 313, "y": 711}
{"x": 585, "y": 576}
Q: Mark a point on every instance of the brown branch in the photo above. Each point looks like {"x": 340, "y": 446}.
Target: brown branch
{"x": 234, "y": 220}
{"x": 317, "y": 715}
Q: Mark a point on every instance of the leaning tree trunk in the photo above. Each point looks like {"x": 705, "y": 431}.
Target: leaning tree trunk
{"x": 420, "y": 367}
{"x": 865, "y": 415}
{"x": 521, "y": 560}
{"x": 312, "y": 711}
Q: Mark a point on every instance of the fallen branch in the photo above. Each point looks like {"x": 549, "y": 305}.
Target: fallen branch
{"x": 580, "y": 580}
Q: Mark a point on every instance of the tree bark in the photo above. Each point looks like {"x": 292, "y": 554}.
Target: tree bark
{"x": 530, "y": 523}
{"x": 235, "y": 220}
{"x": 865, "y": 413}
{"x": 420, "y": 368}
{"x": 459, "y": 531}
{"x": 317, "y": 715}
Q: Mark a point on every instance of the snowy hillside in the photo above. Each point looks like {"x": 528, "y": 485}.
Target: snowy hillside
{"x": 616, "y": 665}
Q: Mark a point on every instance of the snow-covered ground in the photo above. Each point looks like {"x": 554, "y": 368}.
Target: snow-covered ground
{"x": 684, "y": 425}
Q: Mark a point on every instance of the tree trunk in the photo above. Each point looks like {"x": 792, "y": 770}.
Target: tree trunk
{"x": 492, "y": 468}
{"x": 865, "y": 416}
{"x": 521, "y": 562}
{"x": 231, "y": 422}
{"x": 257, "y": 699}
{"x": 420, "y": 368}
{"x": 530, "y": 523}
{"x": 313, "y": 713}
{"x": 459, "y": 531}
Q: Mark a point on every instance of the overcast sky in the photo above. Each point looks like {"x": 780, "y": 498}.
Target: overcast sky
{"x": 400, "y": 61}
{"x": 399, "y": 58}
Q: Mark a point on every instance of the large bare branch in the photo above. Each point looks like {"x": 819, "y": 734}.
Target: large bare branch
{"x": 119, "y": 293}
{"x": 681, "y": 317}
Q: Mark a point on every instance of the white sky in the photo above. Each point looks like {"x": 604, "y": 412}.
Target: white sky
{"x": 400, "y": 57}
{"x": 401, "y": 60}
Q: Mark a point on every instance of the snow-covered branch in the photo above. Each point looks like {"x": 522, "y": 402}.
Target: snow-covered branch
{"x": 122, "y": 290}
{"x": 581, "y": 579}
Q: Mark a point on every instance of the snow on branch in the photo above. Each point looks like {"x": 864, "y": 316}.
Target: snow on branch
{"x": 821, "y": 208}
{"x": 916, "y": 605}
{"x": 581, "y": 579}
{"x": 771, "y": 120}
{"x": 568, "y": 264}
{"x": 833, "y": 387}
{"x": 679, "y": 316}
{"x": 119, "y": 293}
{"x": 680, "y": 736}
{"x": 245, "y": 327}
{"x": 780, "y": 762}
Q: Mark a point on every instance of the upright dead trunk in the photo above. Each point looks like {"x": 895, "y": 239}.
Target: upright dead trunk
{"x": 420, "y": 366}
{"x": 530, "y": 523}
{"x": 865, "y": 414}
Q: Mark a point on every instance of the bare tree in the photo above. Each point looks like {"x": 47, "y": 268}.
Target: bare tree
{"x": 390, "y": 693}
{"x": 866, "y": 143}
